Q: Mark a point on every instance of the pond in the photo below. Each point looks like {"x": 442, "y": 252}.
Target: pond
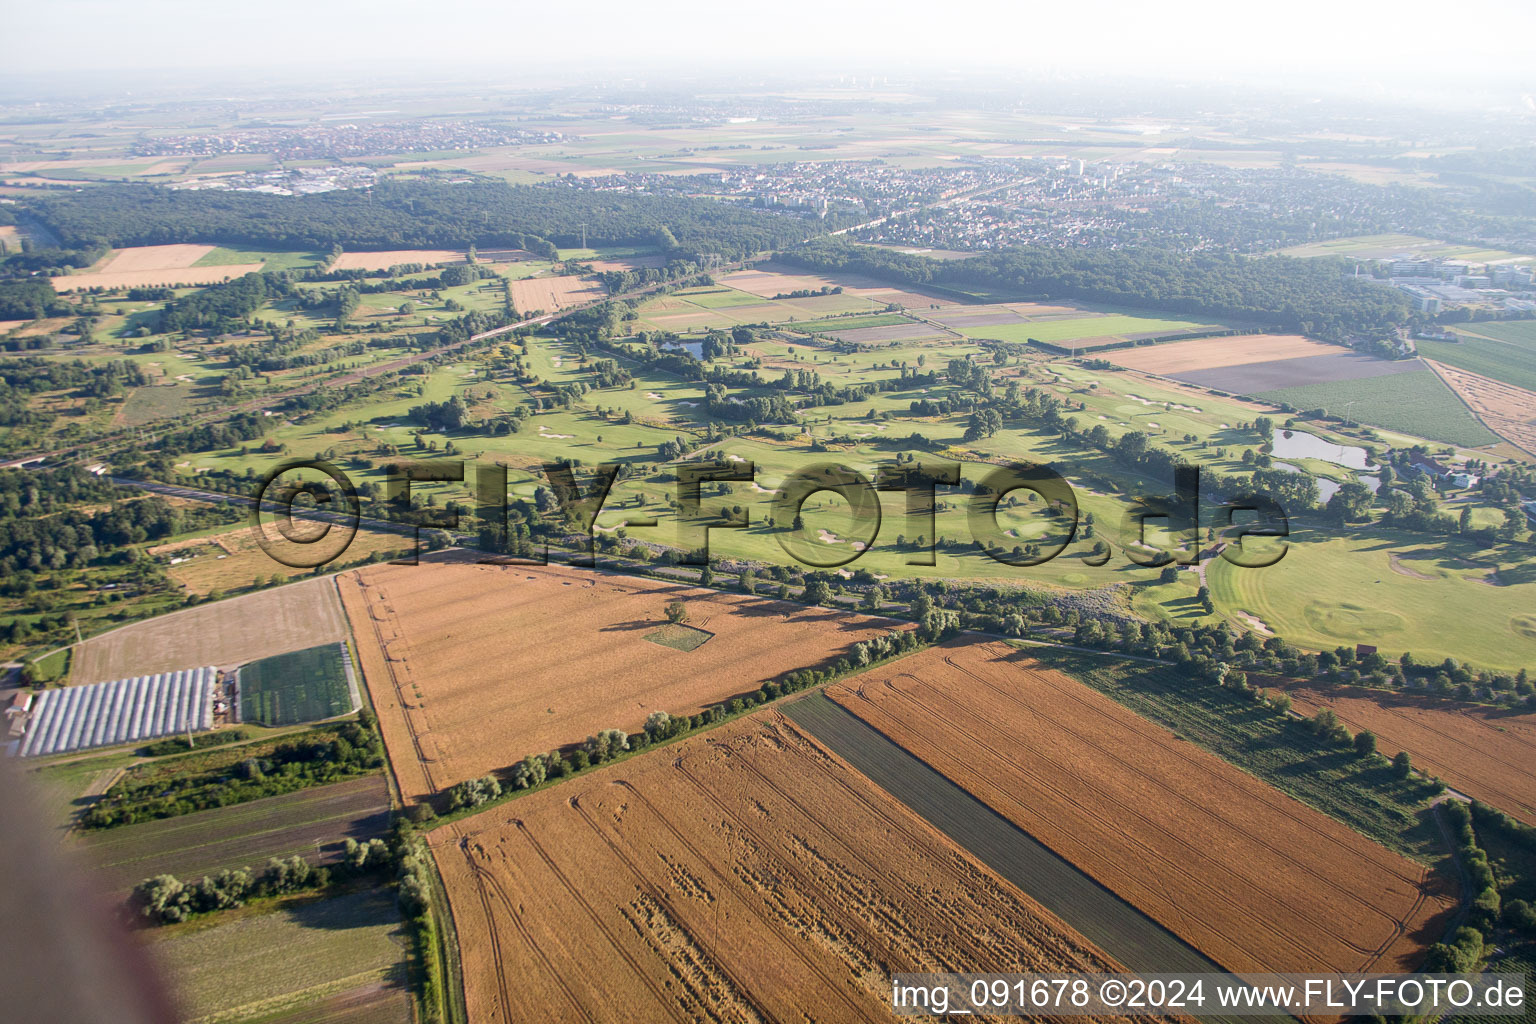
{"x": 693, "y": 348}
{"x": 1298, "y": 444}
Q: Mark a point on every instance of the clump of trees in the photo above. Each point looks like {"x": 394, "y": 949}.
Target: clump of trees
{"x": 164, "y": 899}
{"x": 225, "y": 777}
{"x": 473, "y": 792}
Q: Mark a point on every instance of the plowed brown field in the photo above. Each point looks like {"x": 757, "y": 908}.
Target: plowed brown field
{"x": 746, "y": 875}
{"x": 474, "y": 667}
{"x": 1252, "y": 878}
{"x": 1481, "y": 752}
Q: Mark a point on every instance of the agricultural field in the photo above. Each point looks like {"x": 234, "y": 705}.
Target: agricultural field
{"x": 1089, "y": 331}
{"x": 382, "y": 261}
{"x": 1391, "y": 590}
{"x": 1392, "y": 246}
{"x": 1252, "y": 878}
{"x": 349, "y": 948}
{"x": 298, "y": 687}
{"x": 312, "y": 823}
{"x": 1505, "y": 352}
{"x": 1416, "y": 402}
{"x": 149, "y": 265}
{"x": 224, "y": 633}
{"x": 770, "y": 279}
{"x": 233, "y": 560}
{"x": 462, "y": 688}
{"x": 1109, "y": 922}
{"x": 553, "y": 293}
{"x": 1485, "y": 753}
{"x": 744, "y": 875}
{"x": 1505, "y": 409}
{"x": 1177, "y": 358}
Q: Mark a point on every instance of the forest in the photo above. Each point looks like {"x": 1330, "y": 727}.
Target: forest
{"x": 1311, "y": 296}
{"x": 415, "y": 214}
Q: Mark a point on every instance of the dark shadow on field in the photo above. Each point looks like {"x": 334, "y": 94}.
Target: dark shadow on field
{"x": 361, "y": 909}
{"x": 1394, "y": 699}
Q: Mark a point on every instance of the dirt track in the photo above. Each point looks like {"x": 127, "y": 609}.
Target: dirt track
{"x": 746, "y": 875}
{"x": 1251, "y": 877}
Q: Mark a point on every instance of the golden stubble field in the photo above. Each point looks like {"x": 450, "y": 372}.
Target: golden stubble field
{"x": 1210, "y": 353}
{"x": 474, "y": 667}
{"x": 1249, "y": 876}
{"x": 552, "y": 293}
{"x": 153, "y": 265}
{"x": 380, "y": 261}
{"x": 745, "y": 875}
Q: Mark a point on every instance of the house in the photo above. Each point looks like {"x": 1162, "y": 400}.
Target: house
{"x": 1465, "y": 479}
{"x": 16, "y": 709}
{"x": 1361, "y": 650}
{"x": 1425, "y": 464}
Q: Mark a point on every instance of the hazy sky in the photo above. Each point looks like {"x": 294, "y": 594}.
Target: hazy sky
{"x": 1299, "y": 40}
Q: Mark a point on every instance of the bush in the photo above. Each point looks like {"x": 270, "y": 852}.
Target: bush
{"x": 473, "y": 792}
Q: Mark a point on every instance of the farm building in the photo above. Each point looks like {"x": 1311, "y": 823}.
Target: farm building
{"x": 121, "y": 711}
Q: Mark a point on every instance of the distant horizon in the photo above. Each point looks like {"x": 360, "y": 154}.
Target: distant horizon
{"x": 1367, "y": 51}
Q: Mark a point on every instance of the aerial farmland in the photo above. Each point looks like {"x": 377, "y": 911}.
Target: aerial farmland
{"x": 758, "y": 518}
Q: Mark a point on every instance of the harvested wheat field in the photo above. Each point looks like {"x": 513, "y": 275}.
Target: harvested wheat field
{"x": 224, "y": 634}
{"x": 1252, "y": 878}
{"x": 746, "y": 875}
{"x": 552, "y": 293}
{"x": 1485, "y": 753}
{"x": 474, "y": 667}
{"x": 395, "y": 257}
{"x": 1208, "y": 353}
{"x": 770, "y": 279}
{"x": 153, "y": 265}
{"x": 1508, "y": 411}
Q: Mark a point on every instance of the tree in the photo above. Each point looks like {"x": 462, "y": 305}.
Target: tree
{"x": 817, "y": 591}
{"x": 1402, "y": 764}
{"x": 1365, "y": 743}
{"x": 677, "y": 612}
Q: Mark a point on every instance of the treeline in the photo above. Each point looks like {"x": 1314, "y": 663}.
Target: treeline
{"x": 1311, "y": 296}
{"x": 221, "y": 306}
{"x": 414, "y": 214}
{"x": 31, "y": 299}
{"x": 330, "y": 755}
{"x": 73, "y": 539}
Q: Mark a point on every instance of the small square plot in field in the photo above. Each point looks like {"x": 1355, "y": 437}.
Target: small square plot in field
{"x": 683, "y": 638}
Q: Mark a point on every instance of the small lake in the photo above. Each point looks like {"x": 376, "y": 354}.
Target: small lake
{"x": 693, "y": 348}
{"x": 1298, "y": 444}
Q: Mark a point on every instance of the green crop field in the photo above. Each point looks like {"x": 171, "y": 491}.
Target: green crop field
{"x": 223, "y": 256}
{"x": 307, "y": 822}
{"x": 853, "y": 323}
{"x": 1416, "y": 403}
{"x": 301, "y": 686}
{"x": 228, "y": 969}
{"x": 1512, "y": 361}
{"x": 1115, "y": 326}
